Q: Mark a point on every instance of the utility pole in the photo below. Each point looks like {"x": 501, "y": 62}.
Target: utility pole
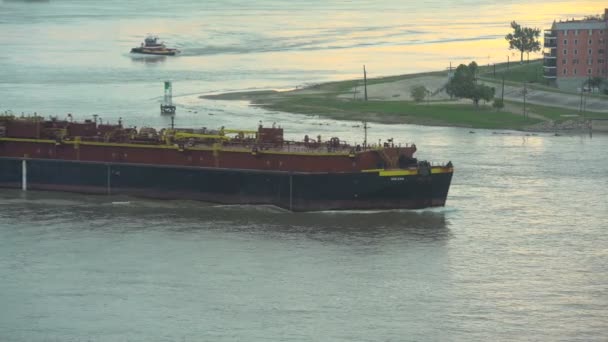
{"x": 450, "y": 76}
{"x": 494, "y": 70}
{"x": 585, "y": 105}
{"x": 507, "y": 62}
{"x": 502, "y": 97}
{"x": 365, "y": 81}
{"x": 525, "y": 91}
{"x": 365, "y": 136}
{"x": 584, "y": 99}
{"x": 590, "y": 90}
{"x": 580, "y": 108}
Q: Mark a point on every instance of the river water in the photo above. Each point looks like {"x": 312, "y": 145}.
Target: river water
{"x": 519, "y": 252}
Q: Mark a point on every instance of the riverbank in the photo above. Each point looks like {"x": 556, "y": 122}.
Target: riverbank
{"x": 389, "y": 101}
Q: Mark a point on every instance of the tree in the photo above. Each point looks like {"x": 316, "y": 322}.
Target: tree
{"x": 594, "y": 82}
{"x": 599, "y": 17}
{"x": 483, "y": 92}
{"x": 533, "y": 39}
{"x": 473, "y": 67}
{"x": 464, "y": 85}
{"x": 418, "y": 92}
{"x": 524, "y": 39}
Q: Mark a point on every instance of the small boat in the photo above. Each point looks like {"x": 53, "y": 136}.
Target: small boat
{"x": 151, "y": 46}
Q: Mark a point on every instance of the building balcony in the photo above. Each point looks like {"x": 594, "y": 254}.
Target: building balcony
{"x": 550, "y": 43}
{"x": 550, "y": 55}
{"x": 550, "y": 72}
{"x": 550, "y": 63}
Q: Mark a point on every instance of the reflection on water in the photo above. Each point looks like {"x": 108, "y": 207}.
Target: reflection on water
{"x": 213, "y": 272}
{"x": 147, "y": 59}
{"x": 188, "y": 216}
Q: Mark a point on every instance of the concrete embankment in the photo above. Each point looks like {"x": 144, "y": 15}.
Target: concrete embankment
{"x": 578, "y": 125}
{"x": 599, "y": 125}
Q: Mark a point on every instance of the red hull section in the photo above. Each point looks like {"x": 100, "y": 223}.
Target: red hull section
{"x": 264, "y": 149}
{"x": 191, "y": 157}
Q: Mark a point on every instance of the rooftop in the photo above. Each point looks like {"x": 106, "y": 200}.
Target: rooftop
{"x": 589, "y": 23}
{"x": 580, "y": 25}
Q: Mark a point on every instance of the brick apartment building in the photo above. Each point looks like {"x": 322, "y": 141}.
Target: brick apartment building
{"x": 576, "y": 50}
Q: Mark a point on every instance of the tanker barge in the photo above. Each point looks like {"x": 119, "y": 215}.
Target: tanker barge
{"x": 228, "y": 166}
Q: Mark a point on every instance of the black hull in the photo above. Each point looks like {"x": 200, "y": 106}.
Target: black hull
{"x": 291, "y": 191}
{"x": 169, "y": 52}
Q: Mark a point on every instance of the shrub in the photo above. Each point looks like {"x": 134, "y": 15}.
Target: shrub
{"x": 498, "y": 104}
{"x": 418, "y": 92}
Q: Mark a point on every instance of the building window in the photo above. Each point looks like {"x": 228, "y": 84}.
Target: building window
{"x": 565, "y": 41}
{"x": 600, "y": 51}
{"x": 590, "y": 41}
{"x": 589, "y": 61}
{"x": 575, "y": 51}
{"x": 576, "y": 32}
{"x": 565, "y": 71}
{"x": 564, "y": 61}
{"x": 576, "y": 42}
{"x": 589, "y": 51}
{"x": 588, "y": 71}
{"x": 565, "y": 52}
{"x": 600, "y": 61}
{"x": 574, "y": 71}
{"x": 590, "y": 33}
{"x": 575, "y": 61}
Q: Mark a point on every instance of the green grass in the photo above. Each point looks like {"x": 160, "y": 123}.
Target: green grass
{"x": 403, "y": 111}
{"x": 557, "y": 114}
{"x": 518, "y": 73}
{"x": 554, "y": 113}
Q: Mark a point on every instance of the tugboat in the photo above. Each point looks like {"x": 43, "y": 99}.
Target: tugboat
{"x": 151, "y": 46}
